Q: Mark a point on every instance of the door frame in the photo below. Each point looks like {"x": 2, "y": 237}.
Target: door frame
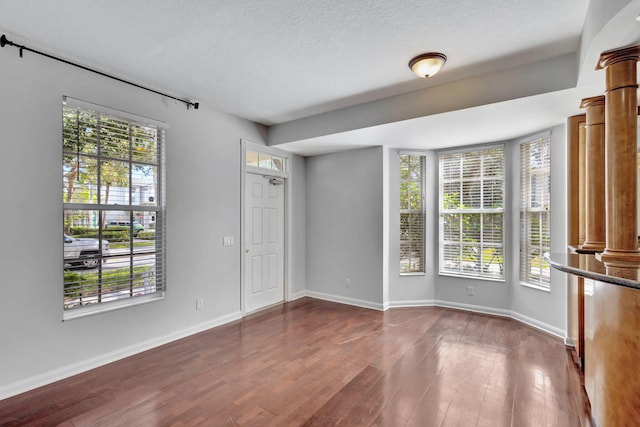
{"x": 244, "y": 145}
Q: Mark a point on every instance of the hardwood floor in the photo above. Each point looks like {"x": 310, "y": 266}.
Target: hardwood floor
{"x": 316, "y": 363}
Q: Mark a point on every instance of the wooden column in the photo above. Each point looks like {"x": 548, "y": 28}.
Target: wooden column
{"x": 595, "y": 230}
{"x": 621, "y": 107}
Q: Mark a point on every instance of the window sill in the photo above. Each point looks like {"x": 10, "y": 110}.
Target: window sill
{"x": 413, "y": 274}
{"x": 537, "y": 287}
{"x": 90, "y": 310}
{"x": 464, "y": 276}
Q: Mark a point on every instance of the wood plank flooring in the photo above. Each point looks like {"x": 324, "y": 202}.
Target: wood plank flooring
{"x": 316, "y": 363}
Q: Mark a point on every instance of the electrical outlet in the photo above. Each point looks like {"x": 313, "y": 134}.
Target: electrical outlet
{"x": 347, "y": 283}
{"x": 199, "y": 303}
{"x": 470, "y": 290}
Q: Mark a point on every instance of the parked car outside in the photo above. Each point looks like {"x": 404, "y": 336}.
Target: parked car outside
{"x": 137, "y": 227}
{"x": 84, "y": 252}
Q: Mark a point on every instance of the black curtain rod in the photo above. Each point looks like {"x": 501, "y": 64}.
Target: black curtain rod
{"x": 4, "y": 41}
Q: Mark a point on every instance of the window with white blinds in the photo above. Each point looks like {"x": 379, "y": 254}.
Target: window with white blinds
{"x": 472, "y": 213}
{"x": 113, "y": 209}
{"x": 535, "y": 213}
{"x": 412, "y": 213}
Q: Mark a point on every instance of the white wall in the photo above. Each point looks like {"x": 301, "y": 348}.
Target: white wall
{"x": 298, "y": 258}
{"x": 344, "y": 226}
{"x": 548, "y": 309}
{"x": 203, "y": 187}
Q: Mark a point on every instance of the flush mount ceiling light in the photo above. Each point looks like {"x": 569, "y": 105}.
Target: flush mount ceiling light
{"x": 427, "y": 64}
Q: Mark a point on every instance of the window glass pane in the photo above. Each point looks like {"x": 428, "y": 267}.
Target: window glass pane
{"x": 470, "y": 195}
{"x": 80, "y": 224}
{"x": 84, "y": 255}
{"x": 494, "y": 163}
{"x": 545, "y": 230}
{"x": 277, "y": 163}
{"x": 450, "y": 167}
{"x": 144, "y": 146}
{"x": 451, "y": 227}
{"x": 78, "y": 135}
{"x": 252, "y": 158}
{"x": 114, "y": 138}
{"x": 143, "y": 185}
{"x": 79, "y": 179}
{"x": 80, "y": 132}
{"x": 471, "y": 259}
{"x": 414, "y": 193}
{"x": 451, "y": 257}
{"x": 492, "y": 228}
{"x": 471, "y": 165}
{"x": 451, "y": 195}
{"x": 471, "y": 228}
{"x": 404, "y": 168}
{"x": 493, "y": 194}
{"x": 264, "y": 161}
{"x": 114, "y": 182}
{"x": 492, "y": 261}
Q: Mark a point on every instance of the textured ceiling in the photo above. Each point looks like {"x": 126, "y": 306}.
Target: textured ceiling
{"x": 276, "y": 61}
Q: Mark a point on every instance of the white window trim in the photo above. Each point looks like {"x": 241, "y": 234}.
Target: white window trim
{"x": 252, "y": 146}
{"x": 503, "y": 211}
{"x": 92, "y": 309}
{"x": 526, "y": 140}
{"x": 424, "y": 212}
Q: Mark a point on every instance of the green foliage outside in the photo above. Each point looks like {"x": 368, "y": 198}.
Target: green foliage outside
{"x": 411, "y": 213}
{"x": 123, "y": 144}
{"x": 88, "y": 284}
{"x": 112, "y": 235}
{"x": 147, "y": 235}
{"x": 473, "y": 182}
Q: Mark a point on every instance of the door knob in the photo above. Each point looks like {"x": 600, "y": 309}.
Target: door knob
{"x": 246, "y": 251}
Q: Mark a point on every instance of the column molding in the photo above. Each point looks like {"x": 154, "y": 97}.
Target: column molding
{"x": 621, "y": 106}
{"x": 595, "y": 213}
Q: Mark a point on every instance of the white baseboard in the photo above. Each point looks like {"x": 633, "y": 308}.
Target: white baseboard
{"x": 505, "y": 313}
{"x": 92, "y": 363}
{"x": 441, "y": 303}
{"x": 297, "y": 295}
{"x": 473, "y": 308}
{"x": 345, "y": 300}
{"x": 412, "y": 303}
{"x": 538, "y": 325}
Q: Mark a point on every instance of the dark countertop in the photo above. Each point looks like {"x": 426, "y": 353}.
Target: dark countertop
{"x": 588, "y": 266}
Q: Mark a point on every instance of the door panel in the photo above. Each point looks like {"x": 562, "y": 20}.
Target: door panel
{"x": 256, "y": 226}
{"x": 264, "y": 243}
{"x": 255, "y": 267}
{"x": 272, "y": 271}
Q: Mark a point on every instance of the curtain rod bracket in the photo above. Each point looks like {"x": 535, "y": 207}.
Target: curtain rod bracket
{"x": 4, "y": 41}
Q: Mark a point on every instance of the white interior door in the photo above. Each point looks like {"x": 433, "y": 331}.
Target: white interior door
{"x": 264, "y": 242}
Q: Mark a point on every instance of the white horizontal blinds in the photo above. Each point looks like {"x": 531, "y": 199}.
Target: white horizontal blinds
{"x": 472, "y": 213}
{"x": 535, "y": 213}
{"x": 113, "y": 196}
{"x": 412, "y": 213}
